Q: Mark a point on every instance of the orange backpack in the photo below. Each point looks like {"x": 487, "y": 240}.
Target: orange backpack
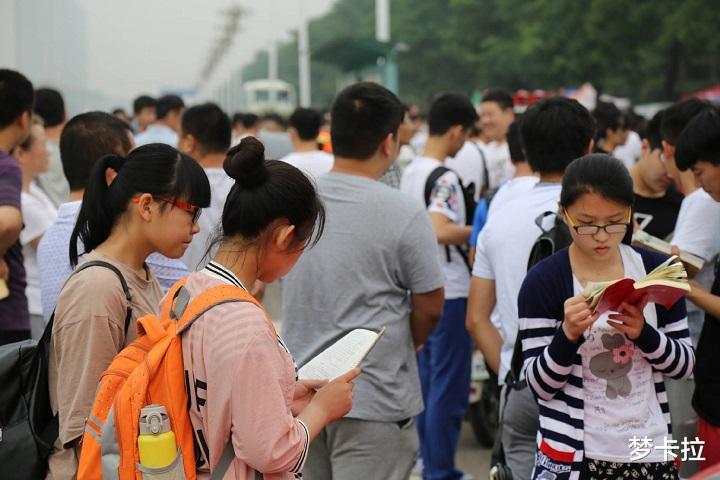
{"x": 149, "y": 370}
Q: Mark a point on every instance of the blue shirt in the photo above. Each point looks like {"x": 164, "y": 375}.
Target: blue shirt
{"x": 54, "y": 259}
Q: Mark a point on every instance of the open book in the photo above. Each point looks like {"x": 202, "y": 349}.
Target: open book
{"x": 665, "y": 285}
{"x": 692, "y": 263}
{"x": 342, "y": 356}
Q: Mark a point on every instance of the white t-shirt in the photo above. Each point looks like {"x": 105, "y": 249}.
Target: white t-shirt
{"x": 38, "y": 214}
{"x": 468, "y": 164}
{"x": 500, "y": 168}
{"x": 502, "y": 253}
{"x": 313, "y": 164}
{"x": 697, "y": 230}
{"x": 630, "y": 152}
{"x": 210, "y": 219}
{"x": 618, "y": 387}
{"x": 445, "y": 198}
{"x": 511, "y": 189}
{"x": 157, "y": 133}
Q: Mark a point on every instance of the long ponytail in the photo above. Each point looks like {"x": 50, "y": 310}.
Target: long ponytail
{"x": 156, "y": 169}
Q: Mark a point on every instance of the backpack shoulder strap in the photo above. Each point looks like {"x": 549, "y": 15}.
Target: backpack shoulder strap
{"x": 123, "y": 283}
{"x": 212, "y": 297}
{"x": 430, "y": 182}
{"x": 486, "y": 174}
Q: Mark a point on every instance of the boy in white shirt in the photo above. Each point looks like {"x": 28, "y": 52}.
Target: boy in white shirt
{"x": 305, "y": 125}
{"x": 445, "y": 360}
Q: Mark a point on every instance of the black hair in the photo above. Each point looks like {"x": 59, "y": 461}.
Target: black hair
{"x": 156, "y": 168}
{"x": 597, "y": 173}
{"x": 143, "y": 101}
{"x": 267, "y": 190}
{"x": 307, "y": 123}
{"x": 237, "y": 118}
{"x": 86, "y": 138}
{"x": 555, "y": 131}
{"x": 678, "y": 115}
{"x": 119, "y": 110}
{"x": 515, "y": 143}
{"x": 16, "y": 96}
{"x": 167, "y": 104}
{"x": 448, "y": 110}
{"x": 275, "y": 117}
{"x": 249, "y": 120}
{"x": 502, "y": 97}
{"x": 607, "y": 115}
{"x": 209, "y": 125}
{"x": 652, "y": 131}
{"x": 362, "y": 115}
{"x": 699, "y": 140}
{"x": 49, "y": 104}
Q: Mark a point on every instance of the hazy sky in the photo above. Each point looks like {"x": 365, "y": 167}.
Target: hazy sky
{"x": 139, "y": 46}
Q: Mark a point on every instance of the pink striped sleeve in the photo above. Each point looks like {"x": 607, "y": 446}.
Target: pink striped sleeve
{"x": 265, "y": 434}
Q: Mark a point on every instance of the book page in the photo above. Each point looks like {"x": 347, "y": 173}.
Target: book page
{"x": 340, "y": 357}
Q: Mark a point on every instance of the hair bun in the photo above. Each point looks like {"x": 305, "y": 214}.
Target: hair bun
{"x": 245, "y": 163}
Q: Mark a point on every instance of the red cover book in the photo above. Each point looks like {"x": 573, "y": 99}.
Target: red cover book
{"x": 625, "y": 291}
{"x": 664, "y": 286}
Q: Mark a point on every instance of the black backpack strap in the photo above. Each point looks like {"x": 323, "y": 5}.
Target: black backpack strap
{"x": 123, "y": 283}
{"x": 430, "y": 182}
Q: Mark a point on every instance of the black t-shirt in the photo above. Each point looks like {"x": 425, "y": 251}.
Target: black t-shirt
{"x": 706, "y": 400}
{"x": 662, "y": 212}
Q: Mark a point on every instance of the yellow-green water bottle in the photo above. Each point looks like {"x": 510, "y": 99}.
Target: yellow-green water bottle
{"x": 156, "y": 442}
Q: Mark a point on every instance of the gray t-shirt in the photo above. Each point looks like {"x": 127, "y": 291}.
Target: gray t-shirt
{"x": 378, "y": 246}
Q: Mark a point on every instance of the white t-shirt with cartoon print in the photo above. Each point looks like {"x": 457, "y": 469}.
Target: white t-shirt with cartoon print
{"x": 445, "y": 198}
{"x": 618, "y": 387}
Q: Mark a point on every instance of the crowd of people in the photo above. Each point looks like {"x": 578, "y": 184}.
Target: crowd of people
{"x": 374, "y": 215}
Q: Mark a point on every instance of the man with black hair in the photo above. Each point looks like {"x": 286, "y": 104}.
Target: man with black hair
{"x": 144, "y": 112}
{"x": 245, "y": 124}
{"x": 444, "y": 363}
{"x": 698, "y": 150}
{"x": 16, "y": 104}
{"x": 169, "y": 110}
{"x": 49, "y": 104}
{"x": 205, "y": 135}
{"x": 554, "y": 132}
{"x": 611, "y": 131}
{"x": 371, "y": 268}
{"x": 496, "y": 114}
{"x": 304, "y": 128}
{"x": 657, "y": 203}
{"x": 85, "y": 139}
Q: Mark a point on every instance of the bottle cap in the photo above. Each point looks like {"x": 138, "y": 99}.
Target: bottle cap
{"x": 154, "y": 420}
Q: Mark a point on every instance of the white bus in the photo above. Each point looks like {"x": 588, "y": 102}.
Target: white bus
{"x": 262, "y": 96}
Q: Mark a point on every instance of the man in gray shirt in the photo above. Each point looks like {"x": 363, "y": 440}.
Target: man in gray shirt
{"x": 375, "y": 266}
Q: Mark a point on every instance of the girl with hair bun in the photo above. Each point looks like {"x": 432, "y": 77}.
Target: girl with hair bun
{"x": 598, "y": 379}
{"x": 242, "y": 379}
{"x": 148, "y": 202}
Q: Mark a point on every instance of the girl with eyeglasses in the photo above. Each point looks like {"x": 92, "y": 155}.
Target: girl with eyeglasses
{"x": 598, "y": 379}
{"x": 145, "y": 203}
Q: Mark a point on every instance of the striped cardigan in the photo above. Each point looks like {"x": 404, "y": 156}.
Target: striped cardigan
{"x": 553, "y": 365}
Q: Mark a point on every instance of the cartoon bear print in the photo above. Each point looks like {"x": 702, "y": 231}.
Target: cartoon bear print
{"x": 614, "y": 365}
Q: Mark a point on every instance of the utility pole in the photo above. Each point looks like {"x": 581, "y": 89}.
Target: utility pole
{"x": 388, "y": 69}
{"x": 304, "y": 58}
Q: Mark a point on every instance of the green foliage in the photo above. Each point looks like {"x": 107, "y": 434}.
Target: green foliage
{"x": 646, "y": 49}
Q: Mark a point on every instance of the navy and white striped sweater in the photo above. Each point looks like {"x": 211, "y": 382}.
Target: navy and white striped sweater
{"x": 553, "y": 365}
